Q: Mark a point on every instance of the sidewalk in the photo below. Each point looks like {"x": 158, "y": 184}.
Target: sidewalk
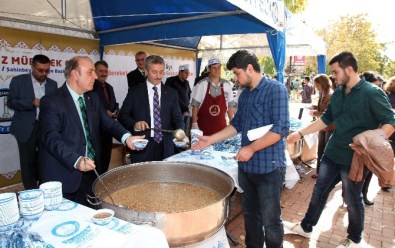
{"x": 332, "y": 227}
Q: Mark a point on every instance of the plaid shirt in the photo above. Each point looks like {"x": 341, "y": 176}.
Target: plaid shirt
{"x": 266, "y": 104}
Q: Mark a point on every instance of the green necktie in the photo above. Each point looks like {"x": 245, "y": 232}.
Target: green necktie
{"x": 90, "y": 151}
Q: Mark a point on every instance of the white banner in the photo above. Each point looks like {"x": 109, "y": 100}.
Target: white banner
{"x": 15, "y": 61}
{"x": 270, "y": 12}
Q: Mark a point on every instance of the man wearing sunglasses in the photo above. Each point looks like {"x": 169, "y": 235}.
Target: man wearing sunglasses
{"x": 25, "y": 93}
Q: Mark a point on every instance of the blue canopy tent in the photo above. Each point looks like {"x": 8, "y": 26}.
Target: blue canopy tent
{"x": 176, "y": 23}
{"x": 179, "y": 23}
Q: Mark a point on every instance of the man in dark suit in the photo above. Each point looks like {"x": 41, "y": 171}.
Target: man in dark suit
{"x": 138, "y": 75}
{"x": 71, "y": 121}
{"x": 139, "y": 113}
{"x": 24, "y": 98}
{"x": 107, "y": 97}
{"x": 181, "y": 84}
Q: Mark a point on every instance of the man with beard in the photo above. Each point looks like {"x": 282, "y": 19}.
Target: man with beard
{"x": 356, "y": 106}
{"x": 107, "y": 96}
{"x": 261, "y": 162}
{"x": 24, "y": 98}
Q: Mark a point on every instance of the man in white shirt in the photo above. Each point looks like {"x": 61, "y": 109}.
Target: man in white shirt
{"x": 212, "y": 99}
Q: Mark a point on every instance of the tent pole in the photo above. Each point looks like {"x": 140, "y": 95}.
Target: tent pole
{"x": 63, "y": 9}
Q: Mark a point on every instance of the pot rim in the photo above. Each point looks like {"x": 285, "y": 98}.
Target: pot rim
{"x": 153, "y": 163}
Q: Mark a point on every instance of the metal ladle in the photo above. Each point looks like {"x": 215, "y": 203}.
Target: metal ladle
{"x": 108, "y": 192}
{"x": 179, "y": 134}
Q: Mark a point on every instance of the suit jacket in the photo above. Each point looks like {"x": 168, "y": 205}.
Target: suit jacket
{"x": 113, "y": 105}
{"x": 64, "y": 139}
{"x": 20, "y": 99}
{"x": 136, "y": 108}
{"x": 135, "y": 77}
{"x": 184, "y": 91}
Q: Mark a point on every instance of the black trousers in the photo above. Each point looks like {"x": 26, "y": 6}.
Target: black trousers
{"x": 106, "y": 143}
{"x": 28, "y": 156}
{"x": 84, "y": 189}
{"x": 152, "y": 152}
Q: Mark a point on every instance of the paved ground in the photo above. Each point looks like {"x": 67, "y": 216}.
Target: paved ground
{"x": 331, "y": 229}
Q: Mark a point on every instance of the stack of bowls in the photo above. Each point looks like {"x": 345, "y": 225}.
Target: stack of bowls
{"x": 31, "y": 203}
{"x": 9, "y": 211}
{"x": 52, "y": 194}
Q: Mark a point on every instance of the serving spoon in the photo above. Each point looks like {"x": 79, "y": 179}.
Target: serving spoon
{"x": 105, "y": 188}
{"x": 179, "y": 134}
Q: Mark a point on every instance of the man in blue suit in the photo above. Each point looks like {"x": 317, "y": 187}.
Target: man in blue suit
{"x": 24, "y": 97}
{"x": 137, "y": 113}
{"x": 71, "y": 121}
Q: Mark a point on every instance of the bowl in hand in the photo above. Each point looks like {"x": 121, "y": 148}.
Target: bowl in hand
{"x": 180, "y": 144}
{"x": 140, "y": 143}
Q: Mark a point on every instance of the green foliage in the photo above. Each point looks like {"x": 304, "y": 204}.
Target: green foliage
{"x": 389, "y": 69}
{"x": 296, "y": 6}
{"x": 355, "y": 34}
{"x": 267, "y": 65}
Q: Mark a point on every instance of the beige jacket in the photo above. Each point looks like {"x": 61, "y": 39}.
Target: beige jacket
{"x": 376, "y": 154}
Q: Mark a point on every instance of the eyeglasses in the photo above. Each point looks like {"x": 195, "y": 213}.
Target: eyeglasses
{"x": 42, "y": 70}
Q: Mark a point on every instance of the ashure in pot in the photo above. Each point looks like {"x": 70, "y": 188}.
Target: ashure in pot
{"x": 181, "y": 226}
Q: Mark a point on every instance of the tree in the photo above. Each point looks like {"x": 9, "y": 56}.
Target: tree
{"x": 389, "y": 69}
{"x": 355, "y": 34}
{"x": 267, "y": 65}
{"x": 296, "y": 6}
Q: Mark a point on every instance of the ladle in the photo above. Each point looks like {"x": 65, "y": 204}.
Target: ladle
{"x": 179, "y": 134}
{"x": 108, "y": 192}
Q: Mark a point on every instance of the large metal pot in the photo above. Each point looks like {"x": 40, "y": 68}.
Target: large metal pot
{"x": 180, "y": 228}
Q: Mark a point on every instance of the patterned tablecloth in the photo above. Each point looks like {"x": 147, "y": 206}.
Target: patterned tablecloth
{"x": 71, "y": 226}
{"x": 221, "y": 156}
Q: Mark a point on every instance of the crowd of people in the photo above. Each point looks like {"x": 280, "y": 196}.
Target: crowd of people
{"x": 65, "y": 133}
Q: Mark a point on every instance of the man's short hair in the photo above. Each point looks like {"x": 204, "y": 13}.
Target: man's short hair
{"x": 73, "y": 64}
{"x": 101, "y": 62}
{"x": 40, "y": 58}
{"x": 153, "y": 59}
{"x": 345, "y": 59}
{"x": 140, "y": 53}
{"x": 241, "y": 59}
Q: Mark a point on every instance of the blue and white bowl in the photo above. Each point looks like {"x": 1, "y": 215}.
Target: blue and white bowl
{"x": 9, "y": 211}
{"x": 31, "y": 203}
{"x": 7, "y": 228}
{"x": 52, "y": 194}
{"x": 103, "y": 216}
{"x": 140, "y": 143}
{"x": 181, "y": 144}
{"x": 194, "y": 134}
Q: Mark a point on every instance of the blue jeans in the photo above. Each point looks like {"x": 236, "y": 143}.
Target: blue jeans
{"x": 261, "y": 203}
{"x": 329, "y": 175}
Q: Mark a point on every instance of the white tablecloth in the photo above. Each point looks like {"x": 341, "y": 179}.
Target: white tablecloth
{"x": 224, "y": 161}
{"x": 9, "y": 155}
{"x": 71, "y": 226}
{"x": 220, "y": 160}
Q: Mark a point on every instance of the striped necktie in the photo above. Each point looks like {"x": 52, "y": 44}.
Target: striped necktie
{"x": 90, "y": 151}
{"x": 157, "y": 122}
